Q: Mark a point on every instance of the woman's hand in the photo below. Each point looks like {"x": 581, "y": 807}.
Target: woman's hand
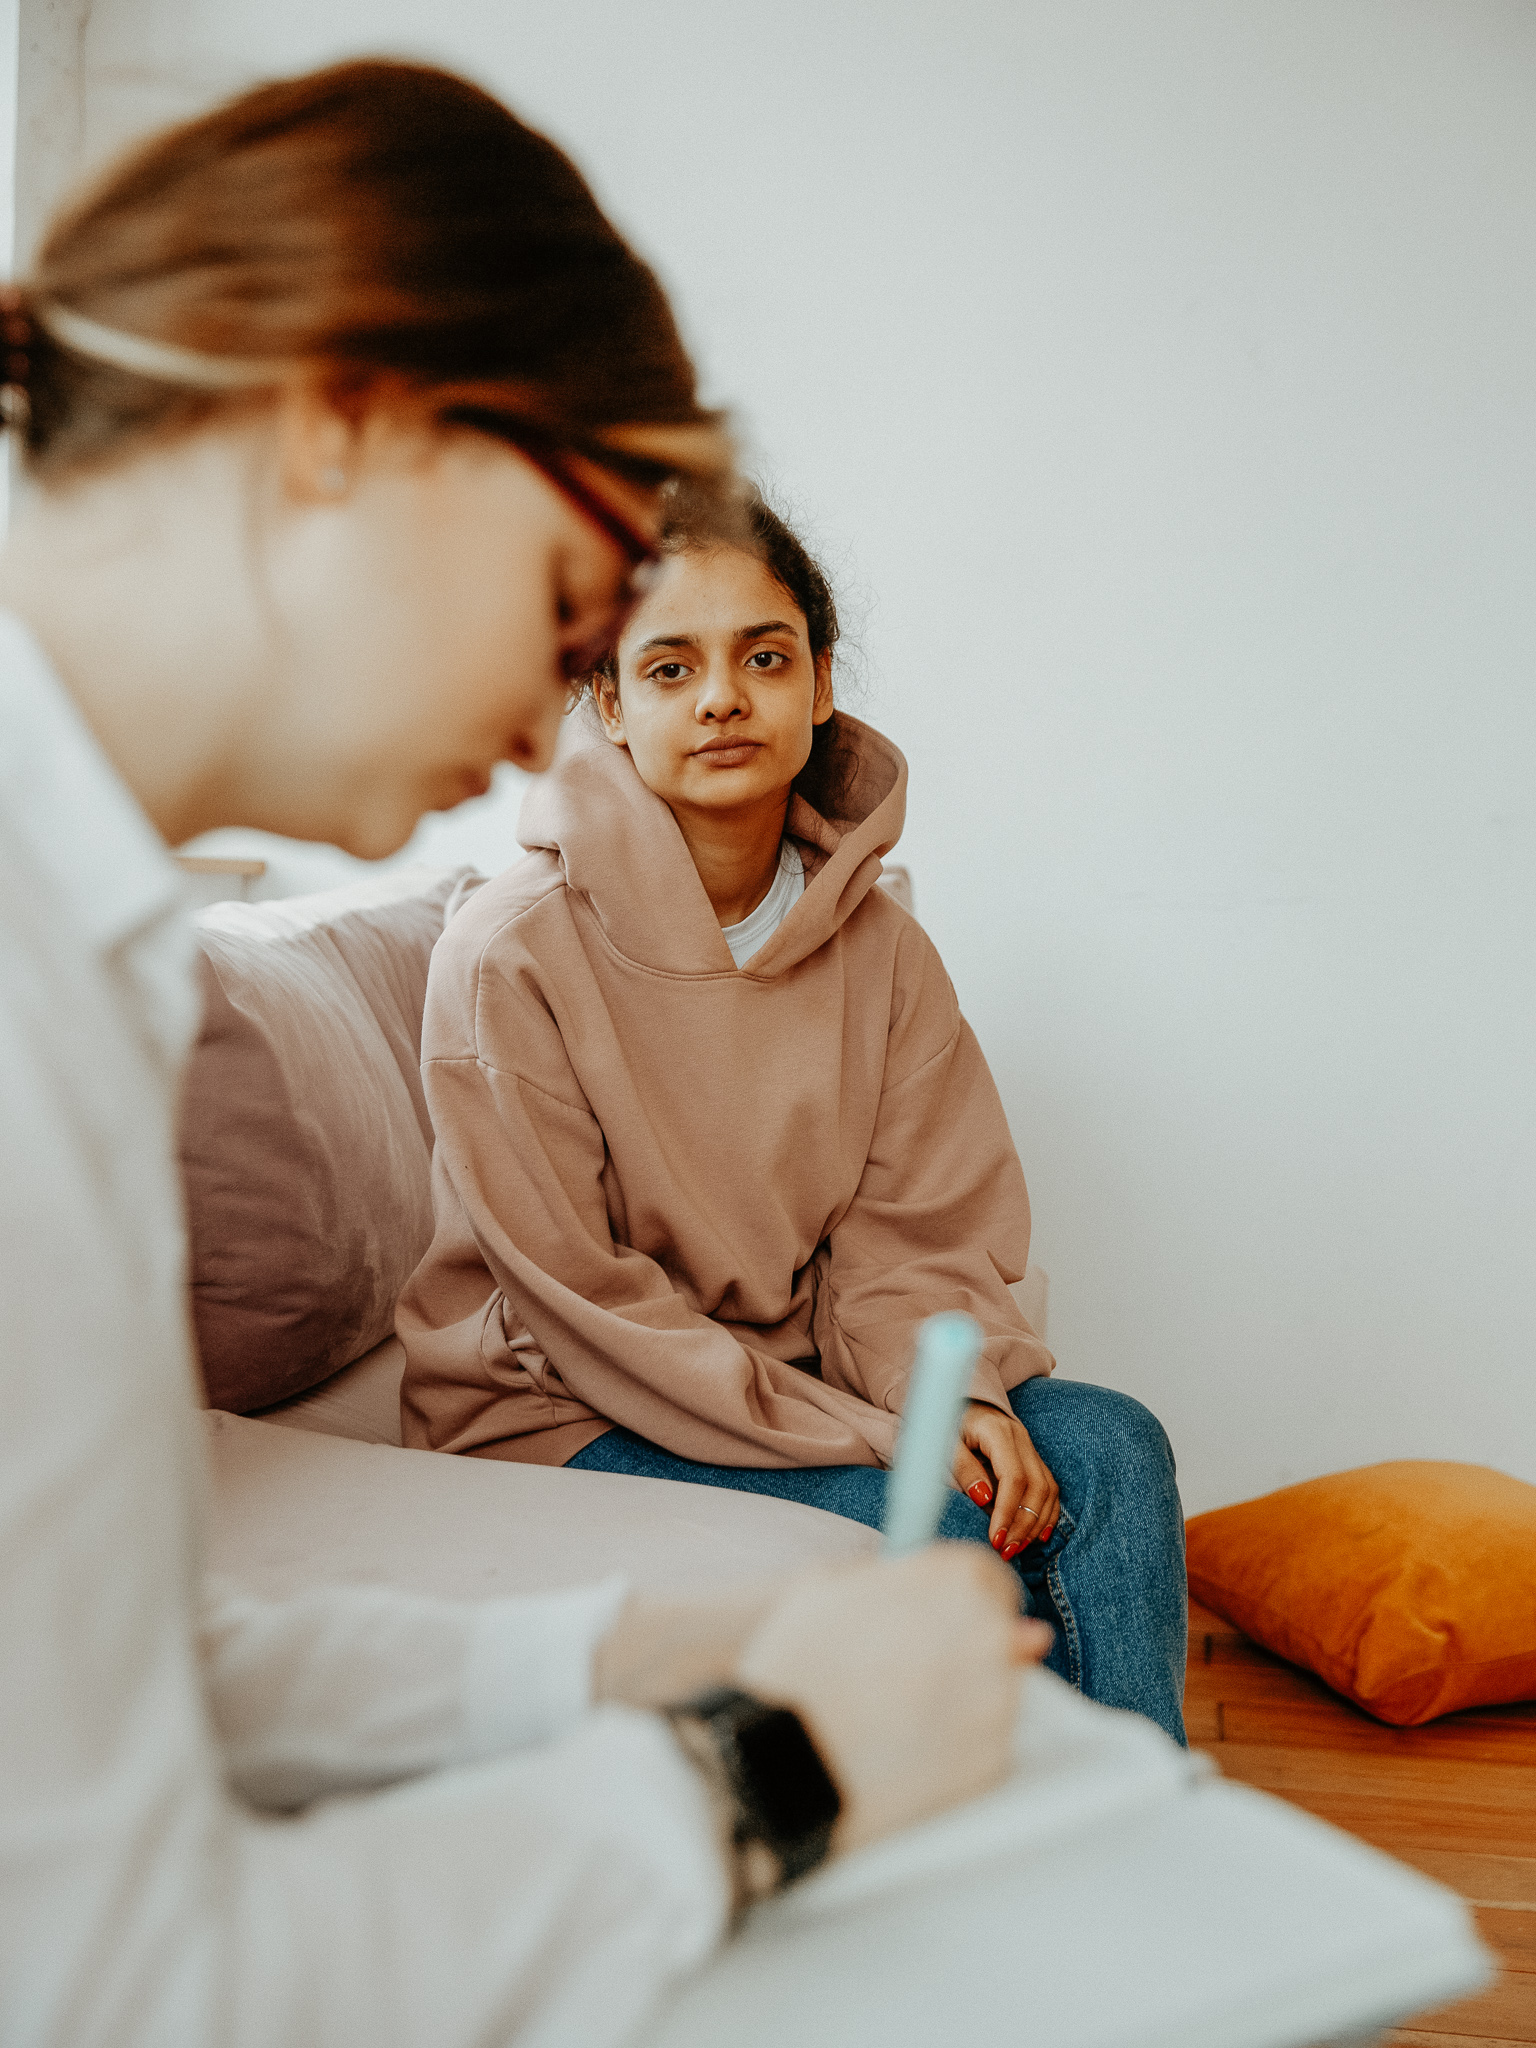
{"x": 866, "y": 1654}
{"x": 999, "y": 1468}
{"x": 906, "y": 1676}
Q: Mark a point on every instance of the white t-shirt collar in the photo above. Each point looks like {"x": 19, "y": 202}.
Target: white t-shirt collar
{"x": 756, "y": 929}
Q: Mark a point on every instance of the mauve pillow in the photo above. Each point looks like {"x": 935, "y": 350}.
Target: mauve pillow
{"x": 305, "y": 1141}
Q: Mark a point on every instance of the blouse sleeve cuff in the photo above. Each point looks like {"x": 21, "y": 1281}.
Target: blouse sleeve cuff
{"x": 528, "y": 1670}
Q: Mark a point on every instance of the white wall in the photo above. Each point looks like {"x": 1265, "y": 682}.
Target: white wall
{"x": 1160, "y": 378}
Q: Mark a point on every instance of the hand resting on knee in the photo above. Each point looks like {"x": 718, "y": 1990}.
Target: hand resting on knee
{"x": 998, "y": 1466}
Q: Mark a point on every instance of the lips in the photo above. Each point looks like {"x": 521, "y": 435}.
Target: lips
{"x": 724, "y": 753}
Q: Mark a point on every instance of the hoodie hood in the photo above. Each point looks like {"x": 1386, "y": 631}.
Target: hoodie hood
{"x": 620, "y": 848}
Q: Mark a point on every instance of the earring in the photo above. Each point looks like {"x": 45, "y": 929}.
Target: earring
{"x": 333, "y": 482}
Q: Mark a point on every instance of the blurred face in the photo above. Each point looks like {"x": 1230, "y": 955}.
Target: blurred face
{"x": 718, "y": 692}
{"x": 429, "y": 591}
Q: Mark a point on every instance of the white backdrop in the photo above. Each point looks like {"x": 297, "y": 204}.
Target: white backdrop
{"x": 1159, "y": 380}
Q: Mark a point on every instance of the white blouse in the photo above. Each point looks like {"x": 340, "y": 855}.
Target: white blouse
{"x": 508, "y": 1865}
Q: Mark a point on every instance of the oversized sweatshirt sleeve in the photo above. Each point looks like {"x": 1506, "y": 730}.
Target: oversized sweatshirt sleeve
{"x": 519, "y": 1192}
{"x": 941, "y": 1216}
{"x": 346, "y": 1688}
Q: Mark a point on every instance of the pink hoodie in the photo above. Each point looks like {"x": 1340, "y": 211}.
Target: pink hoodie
{"x": 709, "y": 1205}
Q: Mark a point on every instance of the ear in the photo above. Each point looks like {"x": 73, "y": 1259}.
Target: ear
{"x": 605, "y": 695}
{"x": 822, "y": 706}
{"x": 319, "y": 448}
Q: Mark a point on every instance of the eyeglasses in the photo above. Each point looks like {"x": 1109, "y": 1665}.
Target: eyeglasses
{"x": 552, "y": 460}
{"x": 577, "y": 663}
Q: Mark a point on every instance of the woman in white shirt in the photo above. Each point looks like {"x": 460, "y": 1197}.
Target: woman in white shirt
{"x": 345, "y": 412}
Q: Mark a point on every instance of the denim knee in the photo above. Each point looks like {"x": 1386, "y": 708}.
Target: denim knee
{"x": 1097, "y": 1431}
{"x": 1139, "y": 1439}
{"x": 856, "y": 1492}
{"x": 962, "y": 1521}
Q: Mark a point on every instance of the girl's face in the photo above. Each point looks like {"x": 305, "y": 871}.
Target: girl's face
{"x": 718, "y": 692}
{"x": 420, "y": 629}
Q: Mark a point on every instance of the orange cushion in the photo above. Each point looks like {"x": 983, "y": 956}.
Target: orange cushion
{"x": 1410, "y": 1587}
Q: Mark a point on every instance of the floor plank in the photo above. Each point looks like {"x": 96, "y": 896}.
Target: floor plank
{"x": 1505, "y": 1880}
{"x": 1506, "y": 1791}
{"x": 1506, "y": 2013}
{"x": 1457, "y": 1799}
{"x": 1410, "y": 2037}
{"x": 1319, "y": 1724}
{"x": 1511, "y": 1931}
{"x": 1403, "y": 1827}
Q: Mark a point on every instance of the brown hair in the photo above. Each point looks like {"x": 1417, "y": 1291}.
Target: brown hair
{"x": 387, "y": 224}
{"x": 697, "y": 522}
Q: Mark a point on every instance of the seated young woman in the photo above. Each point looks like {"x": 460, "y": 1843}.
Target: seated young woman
{"x": 713, "y": 1136}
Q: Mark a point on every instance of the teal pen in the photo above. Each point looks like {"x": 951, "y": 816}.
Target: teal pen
{"x": 948, "y": 1347}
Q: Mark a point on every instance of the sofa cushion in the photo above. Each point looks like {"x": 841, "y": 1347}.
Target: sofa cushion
{"x": 291, "y": 1509}
{"x": 306, "y": 1146}
{"x": 1409, "y": 1587}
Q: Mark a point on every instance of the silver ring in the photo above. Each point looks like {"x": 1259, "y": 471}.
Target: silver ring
{"x": 1033, "y": 1513}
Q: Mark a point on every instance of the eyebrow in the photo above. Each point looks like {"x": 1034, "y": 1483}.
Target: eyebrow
{"x": 757, "y": 632}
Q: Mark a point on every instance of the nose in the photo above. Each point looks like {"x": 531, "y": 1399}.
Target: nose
{"x": 721, "y": 694}
{"x": 531, "y": 744}
{"x": 530, "y": 752}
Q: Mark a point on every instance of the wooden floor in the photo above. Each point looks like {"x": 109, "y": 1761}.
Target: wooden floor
{"x": 1456, "y": 1799}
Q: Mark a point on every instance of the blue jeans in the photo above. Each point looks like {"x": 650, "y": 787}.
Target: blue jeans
{"x": 1110, "y": 1581}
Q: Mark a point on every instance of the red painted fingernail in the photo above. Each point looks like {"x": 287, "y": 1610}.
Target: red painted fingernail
{"x": 1012, "y": 1552}
{"x": 997, "y": 1540}
{"x": 1049, "y": 1533}
{"x": 981, "y": 1493}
